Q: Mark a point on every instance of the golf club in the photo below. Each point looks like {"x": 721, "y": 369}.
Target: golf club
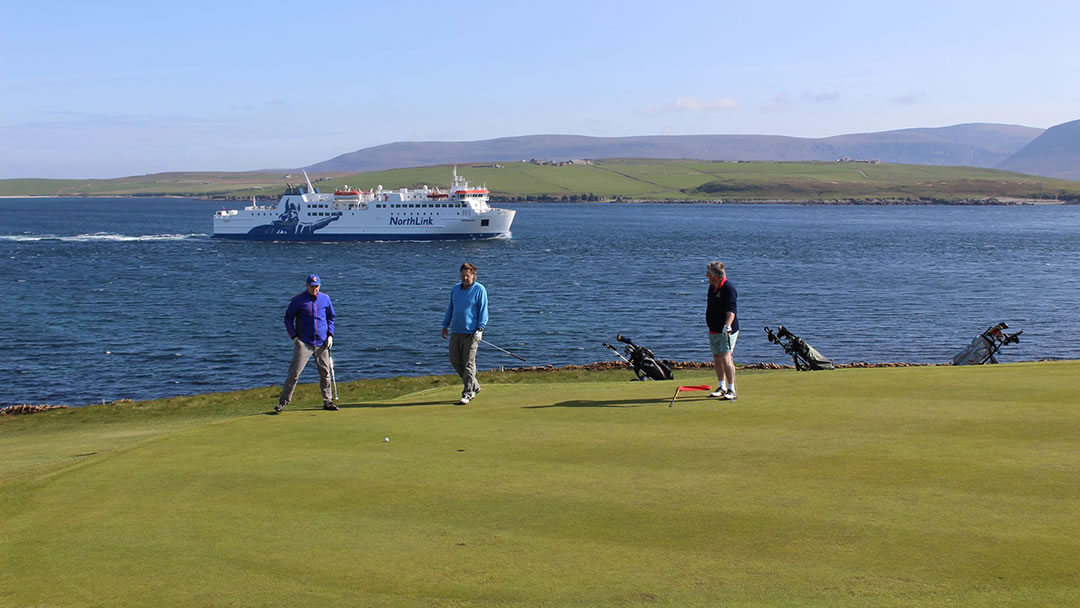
{"x": 616, "y": 351}
{"x": 501, "y": 349}
{"x": 333, "y": 381}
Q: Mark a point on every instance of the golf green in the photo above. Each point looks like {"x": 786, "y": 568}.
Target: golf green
{"x": 921, "y": 486}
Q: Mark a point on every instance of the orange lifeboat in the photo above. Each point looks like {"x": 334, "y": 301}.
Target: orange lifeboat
{"x": 347, "y": 194}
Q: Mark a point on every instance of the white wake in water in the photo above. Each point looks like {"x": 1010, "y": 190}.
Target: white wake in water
{"x": 100, "y": 236}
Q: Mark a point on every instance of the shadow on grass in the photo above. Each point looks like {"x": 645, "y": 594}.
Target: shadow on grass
{"x": 610, "y": 403}
{"x": 346, "y": 406}
{"x": 403, "y": 404}
{"x": 621, "y": 403}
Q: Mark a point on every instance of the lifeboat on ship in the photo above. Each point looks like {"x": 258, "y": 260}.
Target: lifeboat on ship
{"x": 347, "y": 195}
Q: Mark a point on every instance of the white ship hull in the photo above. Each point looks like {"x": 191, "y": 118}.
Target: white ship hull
{"x": 375, "y": 215}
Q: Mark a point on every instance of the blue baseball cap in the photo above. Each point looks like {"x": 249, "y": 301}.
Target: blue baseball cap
{"x": 313, "y": 279}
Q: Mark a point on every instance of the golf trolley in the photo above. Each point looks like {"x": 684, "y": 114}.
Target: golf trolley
{"x": 806, "y": 357}
{"x": 985, "y": 345}
{"x": 645, "y": 364}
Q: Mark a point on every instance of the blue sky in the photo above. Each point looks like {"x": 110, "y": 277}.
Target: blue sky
{"x": 116, "y": 88}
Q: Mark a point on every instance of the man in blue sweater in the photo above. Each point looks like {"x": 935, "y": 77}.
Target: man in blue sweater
{"x": 309, "y": 320}
{"x": 465, "y": 319}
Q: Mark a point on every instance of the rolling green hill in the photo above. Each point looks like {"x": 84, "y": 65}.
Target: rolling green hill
{"x": 611, "y": 179}
{"x": 919, "y": 486}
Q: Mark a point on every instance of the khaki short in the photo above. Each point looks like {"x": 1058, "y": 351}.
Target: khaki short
{"x": 723, "y": 343}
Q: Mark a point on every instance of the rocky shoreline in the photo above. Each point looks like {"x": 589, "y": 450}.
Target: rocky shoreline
{"x": 28, "y": 408}
{"x": 692, "y": 365}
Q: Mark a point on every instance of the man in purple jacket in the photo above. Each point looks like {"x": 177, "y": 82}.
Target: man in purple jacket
{"x": 309, "y": 319}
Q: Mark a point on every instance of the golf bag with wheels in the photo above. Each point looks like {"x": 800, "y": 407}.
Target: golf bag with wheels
{"x": 806, "y": 357}
{"x": 985, "y": 345}
{"x": 645, "y": 364}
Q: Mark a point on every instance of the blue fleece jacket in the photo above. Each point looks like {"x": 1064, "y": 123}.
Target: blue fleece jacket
{"x": 467, "y": 311}
{"x": 310, "y": 319}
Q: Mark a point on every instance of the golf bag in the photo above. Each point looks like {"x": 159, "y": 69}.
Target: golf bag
{"x": 985, "y": 345}
{"x": 645, "y": 364}
{"x": 806, "y": 357}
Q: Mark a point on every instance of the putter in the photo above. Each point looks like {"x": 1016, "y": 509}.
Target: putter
{"x": 501, "y": 349}
{"x": 333, "y": 381}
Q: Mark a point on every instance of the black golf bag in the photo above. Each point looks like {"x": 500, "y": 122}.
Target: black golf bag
{"x": 646, "y": 365}
{"x": 806, "y": 357}
{"x": 985, "y": 345}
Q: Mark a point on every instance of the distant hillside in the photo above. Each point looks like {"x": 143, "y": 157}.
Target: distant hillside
{"x": 613, "y": 179}
{"x": 975, "y": 145}
{"x": 1055, "y": 153}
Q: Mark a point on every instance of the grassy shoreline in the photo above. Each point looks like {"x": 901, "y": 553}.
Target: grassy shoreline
{"x": 921, "y": 486}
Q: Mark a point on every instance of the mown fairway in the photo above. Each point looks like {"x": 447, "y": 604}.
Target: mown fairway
{"x": 629, "y": 179}
{"x": 930, "y": 486}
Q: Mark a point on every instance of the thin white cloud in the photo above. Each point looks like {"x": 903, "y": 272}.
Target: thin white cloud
{"x": 693, "y": 104}
{"x": 91, "y": 120}
{"x": 777, "y": 104}
{"x": 782, "y": 102}
{"x": 904, "y": 100}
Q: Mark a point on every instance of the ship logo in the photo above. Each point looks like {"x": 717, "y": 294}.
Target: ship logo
{"x": 288, "y": 223}
{"x": 412, "y": 221}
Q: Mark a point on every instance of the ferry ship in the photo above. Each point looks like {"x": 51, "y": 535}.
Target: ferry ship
{"x": 352, "y": 214}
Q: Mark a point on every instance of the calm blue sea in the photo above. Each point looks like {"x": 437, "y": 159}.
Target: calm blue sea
{"x": 131, "y": 298}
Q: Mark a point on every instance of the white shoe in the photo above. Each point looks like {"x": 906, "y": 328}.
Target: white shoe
{"x": 718, "y": 393}
{"x": 730, "y": 396}
{"x": 464, "y": 400}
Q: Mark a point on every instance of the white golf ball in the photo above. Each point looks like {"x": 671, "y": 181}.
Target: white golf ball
{"x": 386, "y": 439}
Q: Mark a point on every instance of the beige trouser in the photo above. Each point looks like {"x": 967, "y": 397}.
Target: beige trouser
{"x": 301, "y": 354}
{"x": 463, "y": 358}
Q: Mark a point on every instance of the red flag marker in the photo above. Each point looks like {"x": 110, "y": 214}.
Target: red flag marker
{"x": 700, "y": 387}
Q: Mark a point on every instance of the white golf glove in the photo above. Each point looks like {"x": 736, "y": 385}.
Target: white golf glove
{"x": 329, "y": 342}
{"x": 727, "y": 329}
{"x": 479, "y": 335}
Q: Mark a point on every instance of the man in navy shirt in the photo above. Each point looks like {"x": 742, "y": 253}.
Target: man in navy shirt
{"x": 309, "y": 320}
{"x": 720, "y": 315}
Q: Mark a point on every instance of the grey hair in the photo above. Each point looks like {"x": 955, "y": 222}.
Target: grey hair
{"x": 716, "y": 269}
